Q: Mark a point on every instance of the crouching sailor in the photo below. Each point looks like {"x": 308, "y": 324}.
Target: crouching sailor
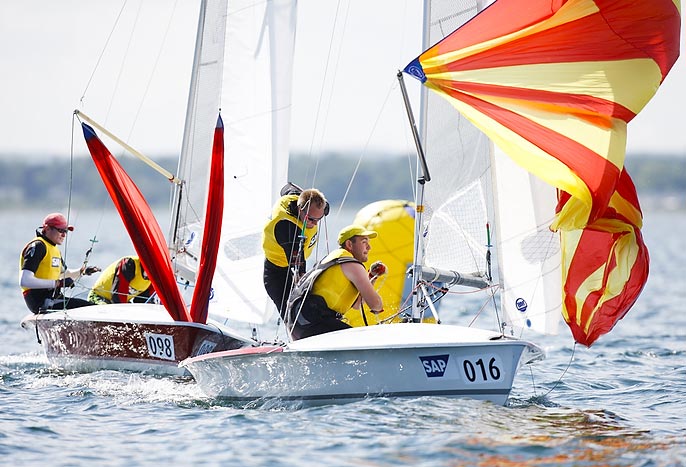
{"x": 43, "y": 272}
{"x": 338, "y": 283}
{"x": 123, "y": 281}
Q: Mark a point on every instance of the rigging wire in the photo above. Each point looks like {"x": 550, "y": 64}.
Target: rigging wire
{"x": 154, "y": 68}
{"x": 123, "y": 61}
{"x": 332, "y": 86}
{"x": 102, "y": 53}
{"x": 559, "y": 380}
{"x": 321, "y": 97}
{"x": 364, "y": 150}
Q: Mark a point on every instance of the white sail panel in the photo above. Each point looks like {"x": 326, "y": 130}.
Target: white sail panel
{"x": 188, "y": 208}
{"x": 243, "y": 66}
{"x": 528, "y": 251}
{"x": 457, "y": 199}
{"x": 255, "y": 101}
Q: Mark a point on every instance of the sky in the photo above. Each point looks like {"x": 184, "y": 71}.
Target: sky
{"x": 52, "y": 62}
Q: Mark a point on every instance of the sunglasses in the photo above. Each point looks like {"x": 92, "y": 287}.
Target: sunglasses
{"x": 62, "y": 231}
{"x": 314, "y": 219}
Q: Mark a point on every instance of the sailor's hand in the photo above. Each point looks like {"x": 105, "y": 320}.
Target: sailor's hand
{"x": 66, "y": 282}
{"x": 91, "y": 270}
{"x": 377, "y": 269}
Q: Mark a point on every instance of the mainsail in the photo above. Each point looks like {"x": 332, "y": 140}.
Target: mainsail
{"x": 243, "y": 65}
{"x": 554, "y": 84}
{"x": 243, "y": 62}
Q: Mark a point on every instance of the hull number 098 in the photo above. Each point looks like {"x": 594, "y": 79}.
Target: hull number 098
{"x": 481, "y": 371}
{"x": 160, "y": 346}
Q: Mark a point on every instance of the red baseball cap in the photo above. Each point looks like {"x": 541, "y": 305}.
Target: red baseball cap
{"x": 57, "y": 220}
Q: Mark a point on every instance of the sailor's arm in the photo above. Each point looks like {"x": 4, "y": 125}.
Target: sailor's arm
{"x": 357, "y": 274}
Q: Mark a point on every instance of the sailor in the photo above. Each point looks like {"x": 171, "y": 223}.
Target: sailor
{"x": 43, "y": 272}
{"x": 289, "y": 238}
{"x": 340, "y": 282}
{"x": 123, "y": 281}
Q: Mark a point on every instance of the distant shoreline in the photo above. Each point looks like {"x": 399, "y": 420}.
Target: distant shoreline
{"x": 24, "y": 183}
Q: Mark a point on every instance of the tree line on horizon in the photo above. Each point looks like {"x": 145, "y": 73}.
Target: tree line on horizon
{"x": 26, "y": 183}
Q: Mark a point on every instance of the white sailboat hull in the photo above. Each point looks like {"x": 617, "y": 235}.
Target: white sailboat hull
{"x": 392, "y": 360}
{"x": 125, "y": 337}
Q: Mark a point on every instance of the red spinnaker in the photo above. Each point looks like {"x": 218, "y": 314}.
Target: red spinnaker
{"x": 140, "y": 222}
{"x": 213, "y": 227}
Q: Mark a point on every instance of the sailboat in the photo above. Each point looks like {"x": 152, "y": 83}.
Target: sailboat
{"x": 566, "y": 240}
{"x": 242, "y": 63}
{"x": 411, "y": 356}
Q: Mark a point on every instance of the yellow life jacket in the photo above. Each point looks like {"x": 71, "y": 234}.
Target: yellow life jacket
{"x": 332, "y": 285}
{"x": 272, "y": 250}
{"x": 50, "y": 266}
{"x": 137, "y": 285}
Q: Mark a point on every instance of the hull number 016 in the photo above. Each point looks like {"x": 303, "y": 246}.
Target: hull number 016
{"x": 481, "y": 370}
{"x": 160, "y": 346}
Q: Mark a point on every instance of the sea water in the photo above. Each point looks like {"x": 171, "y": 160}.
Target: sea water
{"x": 621, "y": 403}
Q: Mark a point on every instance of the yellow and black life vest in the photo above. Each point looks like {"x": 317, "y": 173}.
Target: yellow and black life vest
{"x": 50, "y": 266}
{"x": 137, "y": 285}
{"x": 332, "y": 285}
{"x": 272, "y": 250}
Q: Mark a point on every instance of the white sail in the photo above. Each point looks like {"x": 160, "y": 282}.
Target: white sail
{"x": 457, "y": 199}
{"x": 528, "y": 251}
{"x": 245, "y": 51}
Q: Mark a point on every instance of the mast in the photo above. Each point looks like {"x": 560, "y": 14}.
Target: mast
{"x": 204, "y": 97}
{"x": 178, "y": 189}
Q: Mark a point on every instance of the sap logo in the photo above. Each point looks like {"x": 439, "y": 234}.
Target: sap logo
{"x": 435, "y": 365}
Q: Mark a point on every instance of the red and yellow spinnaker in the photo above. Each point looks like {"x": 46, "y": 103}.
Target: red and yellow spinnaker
{"x": 554, "y": 84}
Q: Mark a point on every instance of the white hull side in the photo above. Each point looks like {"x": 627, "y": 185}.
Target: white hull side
{"x": 395, "y": 360}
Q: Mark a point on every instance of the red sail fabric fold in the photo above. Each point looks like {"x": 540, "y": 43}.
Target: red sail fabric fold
{"x": 141, "y": 225}
{"x": 212, "y": 231}
{"x": 605, "y": 266}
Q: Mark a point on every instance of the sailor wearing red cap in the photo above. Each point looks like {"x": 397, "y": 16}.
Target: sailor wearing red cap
{"x": 43, "y": 272}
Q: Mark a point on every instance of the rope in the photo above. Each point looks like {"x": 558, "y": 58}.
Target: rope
{"x": 102, "y": 53}
{"x": 152, "y": 73}
{"x": 364, "y": 149}
{"x": 123, "y": 60}
{"x": 321, "y": 94}
{"x": 569, "y": 363}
